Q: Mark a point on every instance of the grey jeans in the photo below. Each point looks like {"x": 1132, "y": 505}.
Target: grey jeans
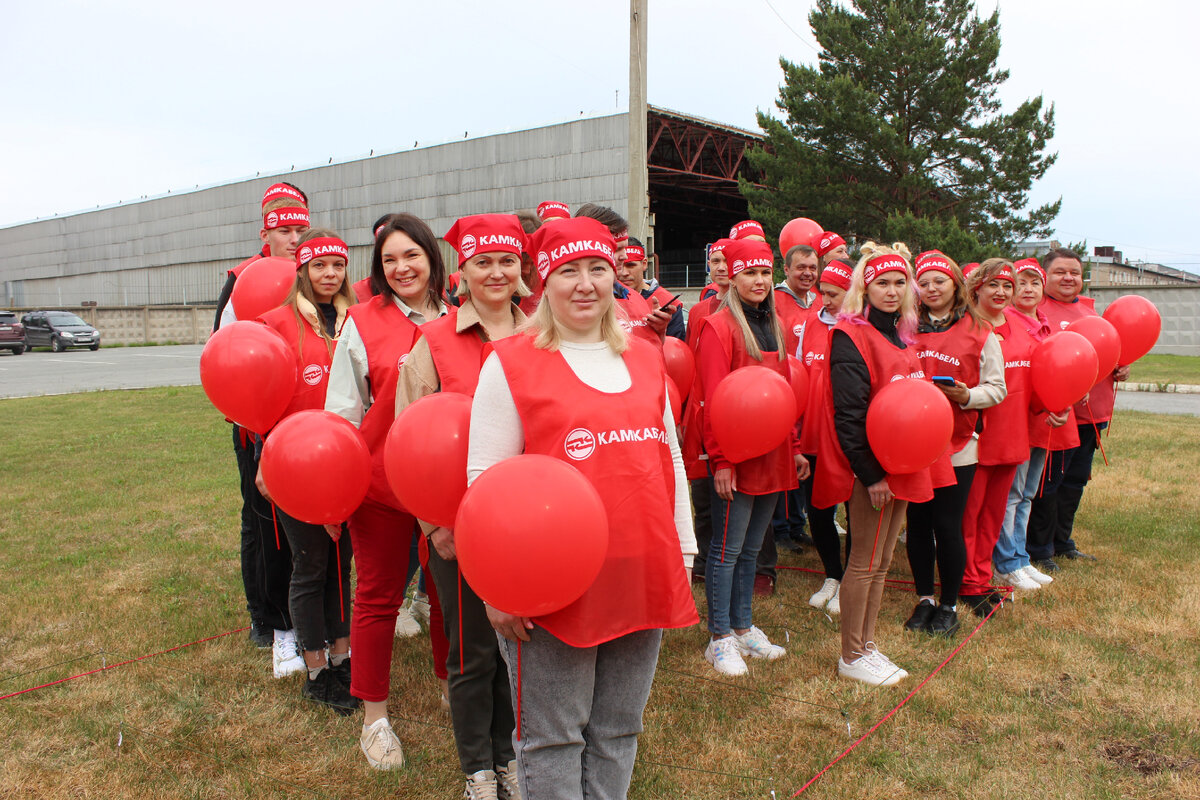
{"x": 580, "y": 713}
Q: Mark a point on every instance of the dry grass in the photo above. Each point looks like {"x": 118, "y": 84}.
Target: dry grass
{"x": 119, "y": 534}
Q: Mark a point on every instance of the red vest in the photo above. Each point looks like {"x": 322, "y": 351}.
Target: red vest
{"x": 791, "y": 319}
{"x": 642, "y": 584}
{"x": 237, "y": 271}
{"x": 1040, "y": 434}
{"x": 388, "y": 336}
{"x": 362, "y": 291}
{"x": 775, "y": 471}
{"x": 955, "y": 352}
{"x": 814, "y": 352}
{"x": 835, "y": 481}
{"x": 1099, "y": 405}
{"x": 457, "y": 357}
{"x": 1005, "y": 436}
{"x": 696, "y": 315}
{"x": 632, "y": 311}
{"x": 312, "y": 358}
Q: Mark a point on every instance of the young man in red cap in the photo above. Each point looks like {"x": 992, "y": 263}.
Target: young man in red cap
{"x": 632, "y": 275}
{"x": 748, "y": 229}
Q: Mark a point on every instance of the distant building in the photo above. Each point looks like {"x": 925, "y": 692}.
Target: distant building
{"x": 1106, "y": 267}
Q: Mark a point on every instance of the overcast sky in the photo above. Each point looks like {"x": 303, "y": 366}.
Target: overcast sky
{"x": 109, "y": 101}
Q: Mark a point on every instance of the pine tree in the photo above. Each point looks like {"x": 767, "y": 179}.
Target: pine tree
{"x": 899, "y": 135}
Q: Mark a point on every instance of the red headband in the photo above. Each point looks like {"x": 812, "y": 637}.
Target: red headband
{"x": 281, "y": 191}
{"x": 1031, "y": 265}
{"x": 719, "y": 246}
{"x": 969, "y": 268}
{"x": 284, "y": 217}
{"x": 881, "y": 264}
{"x": 571, "y": 239}
{"x": 836, "y": 274}
{"x": 746, "y": 228}
{"x": 319, "y": 247}
{"x": 829, "y": 241}
{"x": 635, "y": 252}
{"x": 744, "y": 254}
{"x": 933, "y": 261}
{"x": 621, "y": 237}
{"x": 1006, "y": 274}
{"x": 552, "y": 209}
{"x": 486, "y": 233}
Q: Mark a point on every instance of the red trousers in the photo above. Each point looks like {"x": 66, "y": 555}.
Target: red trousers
{"x": 382, "y": 537}
{"x": 982, "y": 521}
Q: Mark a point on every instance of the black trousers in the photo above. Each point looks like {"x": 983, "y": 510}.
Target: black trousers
{"x": 480, "y": 697}
{"x": 266, "y": 558}
{"x": 935, "y": 537}
{"x": 823, "y": 528}
{"x": 319, "y": 594}
{"x": 1052, "y": 513}
{"x": 702, "y": 521}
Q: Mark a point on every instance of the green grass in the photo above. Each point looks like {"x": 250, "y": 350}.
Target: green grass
{"x": 118, "y": 536}
{"x": 1166, "y": 369}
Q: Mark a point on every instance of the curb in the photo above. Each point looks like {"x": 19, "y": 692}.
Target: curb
{"x": 1169, "y": 388}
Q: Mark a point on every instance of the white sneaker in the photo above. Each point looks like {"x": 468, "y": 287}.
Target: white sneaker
{"x": 1035, "y": 574}
{"x": 406, "y": 624}
{"x": 754, "y": 643}
{"x": 834, "y": 606}
{"x": 507, "y": 787}
{"x": 826, "y": 593}
{"x": 419, "y": 607}
{"x": 481, "y": 786}
{"x": 285, "y": 655}
{"x": 381, "y": 746}
{"x": 838, "y": 527}
{"x": 884, "y": 662}
{"x": 1018, "y": 580}
{"x": 867, "y": 670}
{"x": 724, "y": 656}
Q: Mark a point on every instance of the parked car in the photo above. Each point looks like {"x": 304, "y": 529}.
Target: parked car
{"x": 12, "y": 333}
{"x": 58, "y": 330}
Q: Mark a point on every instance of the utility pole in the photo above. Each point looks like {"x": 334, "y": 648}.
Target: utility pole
{"x": 639, "y": 174}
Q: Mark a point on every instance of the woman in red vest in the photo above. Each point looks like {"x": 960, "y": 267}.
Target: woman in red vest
{"x": 743, "y": 331}
{"x": 310, "y": 321}
{"x": 952, "y": 342}
{"x": 406, "y": 268}
{"x": 814, "y": 350}
{"x": 447, "y": 358}
{"x": 869, "y": 348}
{"x": 584, "y": 672}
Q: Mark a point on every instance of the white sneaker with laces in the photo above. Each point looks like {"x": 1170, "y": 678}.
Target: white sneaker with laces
{"x": 507, "y": 787}
{"x": 754, "y": 643}
{"x": 1035, "y": 574}
{"x": 724, "y": 656}
{"x": 884, "y": 662}
{"x": 419, "y": 607}
{"x": 838, "y": 527}
{"x": 481, "y": 786}
{"x": 823, "y": 595}
{"x": 406, "y": 624}
{"x": 285, "y": 655}
{"x": 834, "y": 606}
{"x": 868, "y": 670}
{"x": 1018, "y": 580}
{"x": 381, "y": 746}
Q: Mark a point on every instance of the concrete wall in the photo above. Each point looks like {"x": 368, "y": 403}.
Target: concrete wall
{"x": 176, "y": 249}
{"x": 1180, "y": 309}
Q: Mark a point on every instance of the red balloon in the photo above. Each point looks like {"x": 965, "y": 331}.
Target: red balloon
{"x": 262, "y": 286}
{"x": 752, "y": 411}
{"x": 1138, "y": 323}
{"x": 316, "y": 467}
{"x": 531, "y": 535}
{"x": 425, "y": 456}
{"x": 1062, "y": 369}
{"x": 249, "y": 374}
{"x": 681, "y": 364}
{"x": 801, "y": 230}
{"x": 909, "y": 424}
{"x": 676, "y": 403}
{"x": 799, "y": 381}
{"x": 1103, "y": 338}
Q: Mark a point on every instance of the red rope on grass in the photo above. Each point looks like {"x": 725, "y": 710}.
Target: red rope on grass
{"x": 122, "y": 663}
{"x": 899, "y": 706}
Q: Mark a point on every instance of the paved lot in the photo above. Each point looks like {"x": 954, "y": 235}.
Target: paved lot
{"x": 1160, "y": 402}
{"x": 42, "y": 372}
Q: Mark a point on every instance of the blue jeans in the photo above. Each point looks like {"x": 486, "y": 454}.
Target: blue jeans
{"x": 580, "y": 713}
{"x": 732, "y": 556}
{"x": 1010, "y": 554}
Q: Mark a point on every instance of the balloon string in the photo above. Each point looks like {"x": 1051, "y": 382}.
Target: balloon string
{"x": 337, "y": 551}
{"x": 518, "y": 690}
{"x": 725, "y": 537}
{"x": 1102, "y": 453}
{"x": 275, "y": 523}
{"x": 461, "y": 667}
{"x": 878, "y": 527}
{"x": 1049, "y": 462}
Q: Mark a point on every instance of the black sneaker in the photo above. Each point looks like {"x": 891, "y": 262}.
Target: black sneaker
{"x": 804, "y": 539}
{"x": 921, "y": 615}
{"x": 1046, "y": 565}
{"x": 1075, "y": 555}
{"x": 981, "y": 604}
{"x": 342, "y": 672}
{"x": 261, "y": 636}
{"x": 327, "y": 690}
{"x": 944, "y": 622}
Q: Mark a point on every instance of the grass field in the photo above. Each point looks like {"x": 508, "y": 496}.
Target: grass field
{"x": 1167, "y": 369}
{"x": 118, "y": 538}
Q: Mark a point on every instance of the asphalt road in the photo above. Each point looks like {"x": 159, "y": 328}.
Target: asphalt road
{"x": 42, "y": 372}
{"x": 1159, "y": 402}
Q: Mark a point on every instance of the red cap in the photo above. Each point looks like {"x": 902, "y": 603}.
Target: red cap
{"x": 281, "y": 191}
{"x": 880, "y": 264}
{"x": 621, "y": 237}
{"x": 486, "y": 233}
{"x": 719, "y": 246}
{"x": 836, "y": 274}
{"x": 320, "y": 247}
{"x": 933, "y": 261}
{"x": 1031, "y": 265}
{"x": 967, "y": 269}
{"x": 828, "y": 241}
{"x": 568, "y": 240}
{"x": 635, "y": 252}
{"x": 283, "y": 217}
{"x": 747, "y": 253}
{"x": 552, "y": 209}
{"x": 1006, "y": 274}
{"x": 746, "y": 228}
